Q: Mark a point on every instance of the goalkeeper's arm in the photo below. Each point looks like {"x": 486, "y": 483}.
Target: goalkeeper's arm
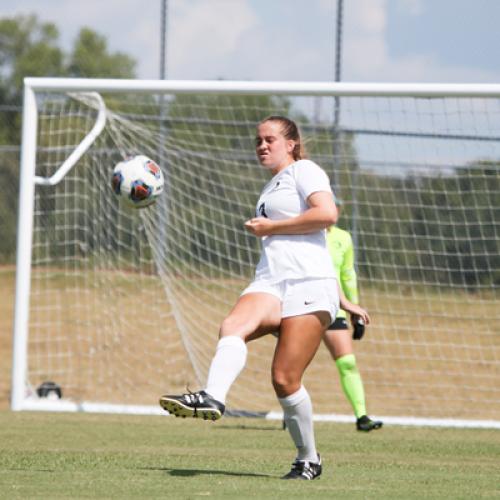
{"x": 353, "y": 309}
{"x": 349, "y": 284}
{"x": 347, "y": 273}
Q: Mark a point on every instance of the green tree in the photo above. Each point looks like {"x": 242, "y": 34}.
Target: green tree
{"x": 90, "y": 58}
{"x": 29, "y": 47}
{"x": 458, "y": 219}
{"x": 438, "y": 230}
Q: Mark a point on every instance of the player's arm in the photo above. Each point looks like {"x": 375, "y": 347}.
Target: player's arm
{"x": 321, "y": 214}
{"x": 347, "y": 274}
{"x": 353, "y": 309}
{"x": 349, "y": 285}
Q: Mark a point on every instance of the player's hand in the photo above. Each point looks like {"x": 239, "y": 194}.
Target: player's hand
{"x": 259, "y": 226}
{"x": 358, "y": 327}
{"x": 357, "y": 312}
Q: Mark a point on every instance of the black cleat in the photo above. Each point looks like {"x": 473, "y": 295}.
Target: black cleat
{"x": 366, "y": 424}
{"x": 302, "y": 469}
{"x": 194, "y": 404}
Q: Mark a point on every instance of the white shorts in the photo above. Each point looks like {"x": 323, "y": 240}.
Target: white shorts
{"x": 301, "y": 296}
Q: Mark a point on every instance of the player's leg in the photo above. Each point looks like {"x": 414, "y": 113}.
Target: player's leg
{"x": 298, "y": 342}
{"x": 254, "y": 315}
{"x": 338, "y": 340}
{"x": 339, "y": 343}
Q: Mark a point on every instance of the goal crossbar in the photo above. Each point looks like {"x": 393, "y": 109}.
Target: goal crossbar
{"x": 266, "y": 87}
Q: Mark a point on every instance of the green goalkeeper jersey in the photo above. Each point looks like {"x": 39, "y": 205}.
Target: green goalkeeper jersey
{"x": 340, "y": 247}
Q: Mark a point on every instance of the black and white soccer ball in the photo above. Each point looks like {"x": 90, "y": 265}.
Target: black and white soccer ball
{"x": 137, "y": 181}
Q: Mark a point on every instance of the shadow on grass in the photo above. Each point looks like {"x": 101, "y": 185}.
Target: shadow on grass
{"x": 251, "y": 427}
{"x": 201, "y": 472}
{"x": 28, "y": 469}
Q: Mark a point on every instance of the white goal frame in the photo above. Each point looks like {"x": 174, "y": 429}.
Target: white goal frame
{"x": 29, "y": 179}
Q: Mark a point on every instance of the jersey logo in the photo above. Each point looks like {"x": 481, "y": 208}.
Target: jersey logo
{"x": 261, "y": 211}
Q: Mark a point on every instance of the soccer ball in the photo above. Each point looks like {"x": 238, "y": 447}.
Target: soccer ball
{"x": 138, "y": 181}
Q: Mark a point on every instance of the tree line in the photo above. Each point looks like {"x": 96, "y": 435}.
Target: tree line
{"x": 30, "y": 47}
{"x": 428, "y": 229}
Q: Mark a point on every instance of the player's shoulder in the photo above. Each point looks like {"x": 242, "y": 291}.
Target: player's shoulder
{"x": 306, "y": 163}
{"x": 308, "y": 169}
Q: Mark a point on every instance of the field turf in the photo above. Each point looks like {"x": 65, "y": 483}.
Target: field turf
{"x": 51, "y": 455}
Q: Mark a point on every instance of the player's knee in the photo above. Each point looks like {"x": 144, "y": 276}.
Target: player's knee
{"x": 284, "y": 382}
{"x": 347, "y": 364}
{"x": 233, "y": 326}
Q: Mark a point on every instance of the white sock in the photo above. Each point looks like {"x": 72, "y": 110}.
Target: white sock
{"x": 229, "y": 359}
{"x": 297, "y": 410}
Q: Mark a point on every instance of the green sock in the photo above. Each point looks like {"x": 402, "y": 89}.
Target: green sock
{"x": 352, "y": 384}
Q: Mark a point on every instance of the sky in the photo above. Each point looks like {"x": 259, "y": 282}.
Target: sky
{"x": 383, "y": 40}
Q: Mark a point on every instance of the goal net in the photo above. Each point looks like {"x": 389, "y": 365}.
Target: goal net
{"x": 117, "y": 306}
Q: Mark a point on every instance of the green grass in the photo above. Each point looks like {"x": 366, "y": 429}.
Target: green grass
{"x": 51, "y": 455}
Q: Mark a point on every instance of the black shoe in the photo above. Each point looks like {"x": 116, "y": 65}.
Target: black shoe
{"x": 194, "y": 404}
{"x": 366, "y": 424}
{"x": 302, "y": 469}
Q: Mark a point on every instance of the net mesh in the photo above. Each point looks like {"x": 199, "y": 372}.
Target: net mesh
{"x": 126, "y": 304}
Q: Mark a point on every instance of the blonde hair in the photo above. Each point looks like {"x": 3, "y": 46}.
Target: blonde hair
{"x": 290, "y": 132}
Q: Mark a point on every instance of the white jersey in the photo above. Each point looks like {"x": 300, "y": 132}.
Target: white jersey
{"x": 293, "y": 256}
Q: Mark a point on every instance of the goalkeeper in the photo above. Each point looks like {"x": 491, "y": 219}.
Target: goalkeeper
{"x": 338, "y": 337}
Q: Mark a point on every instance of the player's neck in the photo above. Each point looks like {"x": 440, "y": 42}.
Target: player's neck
{"x": 276, "y": 170}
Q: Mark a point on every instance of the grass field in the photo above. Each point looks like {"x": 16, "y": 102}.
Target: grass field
{"x": 104, "y": 456}
{"x": 47, "y": 455}
{"x": 6, "y": 316}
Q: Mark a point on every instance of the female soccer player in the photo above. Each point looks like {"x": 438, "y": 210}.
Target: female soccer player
{"x": 338, "y": 337}
{"x": 294, "y": 291}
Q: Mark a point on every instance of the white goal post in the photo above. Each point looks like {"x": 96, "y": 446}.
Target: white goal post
{"x": 116, "y": 306}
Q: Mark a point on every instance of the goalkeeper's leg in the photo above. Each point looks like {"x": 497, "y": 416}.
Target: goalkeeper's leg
{"x": 338, "y": 339}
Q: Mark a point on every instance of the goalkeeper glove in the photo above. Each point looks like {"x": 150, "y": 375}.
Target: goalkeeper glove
{"x": 358, "y": 329}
